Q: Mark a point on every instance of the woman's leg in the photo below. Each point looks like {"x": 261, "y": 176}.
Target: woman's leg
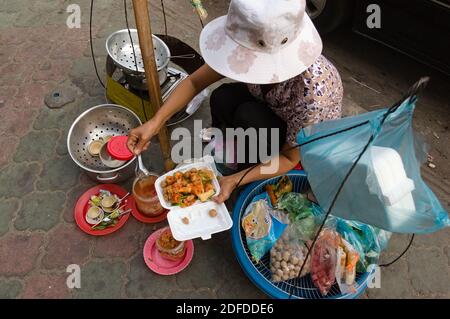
{"x": 259, "y": 116}
{"x": 224, "y": 101}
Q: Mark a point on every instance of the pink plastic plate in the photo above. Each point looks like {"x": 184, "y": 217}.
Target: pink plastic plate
{"x": 161, "y": 265}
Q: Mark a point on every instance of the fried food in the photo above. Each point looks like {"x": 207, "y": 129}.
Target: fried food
{"x": 275, "y": 192}
{"x": 213, "y": 213}
{"x": 183, "y": 189}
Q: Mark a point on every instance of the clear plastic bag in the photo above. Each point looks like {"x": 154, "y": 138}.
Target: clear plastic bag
{"x": 261, "y": 226}
{"x": 324, "y": 260}
{"x": 287, "y": 256}
{"x": 367, "y": 240}
{"x": 347, "y": 258}
{"x": 300, "y": 214}
{"x": 402, "y": 203}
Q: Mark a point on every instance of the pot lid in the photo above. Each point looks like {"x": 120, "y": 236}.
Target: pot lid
{"x": 118, "y": 149}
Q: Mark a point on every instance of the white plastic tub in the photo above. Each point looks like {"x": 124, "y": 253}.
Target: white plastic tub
{"x": 201, "y": 224}
{"x": 183, "y": 169}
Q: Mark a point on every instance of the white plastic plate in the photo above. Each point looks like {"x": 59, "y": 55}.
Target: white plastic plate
{"x": 185, "y": 168}
{"x": 200, "y": 225}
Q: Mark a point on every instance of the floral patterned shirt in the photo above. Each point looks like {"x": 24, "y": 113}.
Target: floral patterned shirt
{"x": 310, "y": 97}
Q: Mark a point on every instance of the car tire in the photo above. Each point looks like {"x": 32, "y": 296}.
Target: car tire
{"x": 327, "y": 15}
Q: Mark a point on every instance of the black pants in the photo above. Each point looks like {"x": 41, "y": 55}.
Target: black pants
{"x": 233, "y": 106}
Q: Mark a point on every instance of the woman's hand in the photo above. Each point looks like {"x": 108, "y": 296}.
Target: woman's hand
{"x": 139, "y": 137}
{"x": 227, "y": 186}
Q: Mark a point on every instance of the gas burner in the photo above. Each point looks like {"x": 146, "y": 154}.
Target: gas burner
{"x": 138, "y": 84}
{"x": 131, "y": 91}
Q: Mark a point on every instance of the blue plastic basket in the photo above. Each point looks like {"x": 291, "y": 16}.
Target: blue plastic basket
{"x": 259, "y": 273}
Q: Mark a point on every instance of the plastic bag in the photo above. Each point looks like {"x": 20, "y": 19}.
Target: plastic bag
{"x": 367, "y": 240}
{"x": 324, "y": 259}
{"x": 347, "y": 258}
{"x": 261, "y": 227}
{"x": 287, "y": 257}
{"x": 300, "y": 213}
{"x": 275, "y": 192}
{"x": 398, "y": 203}
{"x": 295, "y": 203}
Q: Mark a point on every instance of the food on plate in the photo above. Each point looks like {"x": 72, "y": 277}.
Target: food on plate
{"x": 203, "y": 197}
{"x": 212, "y": 213}
{"x": 169, "y": 247}
{"x": 275, "y": 192}
{"x": 94, "y": 212}
{"x": 185, "y": 220}
{"x": 144, "y": 193}
{"x": 108, "y": 201}
{"x": 183, "y": 189}
{"x": 108, "y": 215}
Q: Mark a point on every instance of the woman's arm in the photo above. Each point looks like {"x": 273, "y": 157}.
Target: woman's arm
{"x": 279, "y": 165}
{"x": 138, "y": 138}
{"x": 186, "y": 91}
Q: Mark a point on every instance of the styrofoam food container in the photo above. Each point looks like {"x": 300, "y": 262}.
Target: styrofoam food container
{"x": 392, "y": 184}
{"x": 201, "y": 225}
{"x": 183, "y": 169}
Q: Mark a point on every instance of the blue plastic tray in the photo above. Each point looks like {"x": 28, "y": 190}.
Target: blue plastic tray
{"x": 259, "y": 273}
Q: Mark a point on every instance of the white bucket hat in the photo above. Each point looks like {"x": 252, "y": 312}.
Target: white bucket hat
{"x": 261, "y": 41}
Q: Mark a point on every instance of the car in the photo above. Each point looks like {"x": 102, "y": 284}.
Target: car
{"x": 418, "y": 28}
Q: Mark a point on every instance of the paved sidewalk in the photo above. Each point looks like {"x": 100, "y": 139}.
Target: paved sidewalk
{"x": 39, "y": 183}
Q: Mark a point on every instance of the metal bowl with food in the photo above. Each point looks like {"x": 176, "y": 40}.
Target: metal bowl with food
{"x": 101, "y": 122}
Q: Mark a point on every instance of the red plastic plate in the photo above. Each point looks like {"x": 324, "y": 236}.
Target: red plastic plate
{"x": 161, "y": 265}
{"x": 82, "y": 206}
{"x": 146, "y": 219}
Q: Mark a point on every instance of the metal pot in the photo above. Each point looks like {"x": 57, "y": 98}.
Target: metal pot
{"x": 119, "y": 48}
{"x": 101, "y": 121}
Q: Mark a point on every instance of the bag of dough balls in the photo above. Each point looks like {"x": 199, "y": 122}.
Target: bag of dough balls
{"x": 261, "y": 226}
{"x": 324, "y": 259}
{"x": 287, "y": 256}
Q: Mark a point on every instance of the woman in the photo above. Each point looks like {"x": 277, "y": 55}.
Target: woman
{"x": 272, "y": 47}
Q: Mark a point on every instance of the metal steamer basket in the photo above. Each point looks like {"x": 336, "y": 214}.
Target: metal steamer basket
{"x": 101, "y": 121}
{"x": 120, "y": 49}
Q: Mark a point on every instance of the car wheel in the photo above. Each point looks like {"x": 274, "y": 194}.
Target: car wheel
{"x": 327, "y": 15}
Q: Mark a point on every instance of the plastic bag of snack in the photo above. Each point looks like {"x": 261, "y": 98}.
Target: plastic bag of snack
{"x": 300, "y": 213}
{"x": 347, "y": 258}
{"x": 275, "y": 192}
{"x": 367, "y": 240}
{"x": 324, "y": 260}
{"x": 287, "y": 257}
{"x": 261, "y": 227}
{"x": 294, "y": 203}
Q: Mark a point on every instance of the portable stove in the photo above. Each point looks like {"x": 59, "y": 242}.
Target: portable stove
{"x": 127, "y": 90}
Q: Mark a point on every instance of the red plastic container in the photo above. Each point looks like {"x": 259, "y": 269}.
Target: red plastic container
{"x": 117, "y": 148}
